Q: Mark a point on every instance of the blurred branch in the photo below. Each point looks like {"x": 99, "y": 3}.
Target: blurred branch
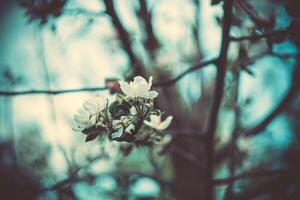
{"x": 151, "y": 42}
{"x": 284, "y": 56}
{"x": 281, "y": 32}
{"x": 283, "y": 181}
{"x": 186, "y": 155}
{"x": 166, "y": 83}
{"x": 181, "y": 75}
{"x": 232, "y": 101}
{"x": 80, "y": 11}
{"x": 241, "y": 4}
{"x": 219, "y": 89}
{"x": 285, "y": 102}
{"x": 92, "y": 89}
{"x": 124, "y": 37}
{"x": 74, "y": 177}
{"x": 250, "y": 175}
{"x": 51, "y": 92}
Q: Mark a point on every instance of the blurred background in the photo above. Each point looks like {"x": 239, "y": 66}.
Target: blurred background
{"x": 61, "y": 45}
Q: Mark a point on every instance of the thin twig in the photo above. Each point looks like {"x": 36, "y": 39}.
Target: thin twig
{"x": 281, "y": 32}
{"x": 249, "y": 10}
{"x": 281, "y": 182}
{"x": 51, "y": 92}
{"x": 187, "y": 156}
{"x": 219, "y": 89}
{"x": 124, "y": 37}
{"x": 284, "y": 103}
{"x": 181, "y": 75}
{"x": 93, "y": 89}
{"x": 151, "y": 43}
{"x": 80, "y": 11}
{"x": 250, "y": 175}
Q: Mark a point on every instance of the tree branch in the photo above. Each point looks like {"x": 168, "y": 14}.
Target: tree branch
{"x": 275, "y": 33}
{"x": 166, "y": 83}
{"x": 124, "y": 37}
{"x": 285, "y": 102}
{"x": 249, "y": 10}
{"x": 80, "y": 11}
{"x": 219, "y": 89}
{"x": 250, "y": 175}
{"x": 181, "y": 75}
{"x": 93, "y": 89}
{"x": 281, "y": 182}
{"x": 151, "y": 43}
{"x": 50, "y": 92}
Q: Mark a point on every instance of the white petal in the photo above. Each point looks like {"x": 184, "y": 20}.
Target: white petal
{"x": 155, "y": 119}
{"x": 78, "y": 119}
{"x": 92, "y": 120}
{"x": 150, "y": 124}
{"x": 140, "y": 84}
{"x": 133, "y": 110}
{"x": 139, "y": 80}
{"x": 150, "y": 82}
{"x": 126, "y": 88}
{"x": 100, "y": 101}
{"x": 165, "y": 123}
{"x": 117, "y": 133}
{"x": 76, "y": 127}
{"x": 90, "y": 106}
{"x": 83, "y": 113}
{"x": 167, "y": 139}
{"x": 150, "y": 95}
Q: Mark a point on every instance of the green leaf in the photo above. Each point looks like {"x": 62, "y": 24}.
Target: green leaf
{"x": 155, "y": 112}
{"x": 120, "y": 98}
{"x": 117, "y": 110}
{"x": 89, "y": 130}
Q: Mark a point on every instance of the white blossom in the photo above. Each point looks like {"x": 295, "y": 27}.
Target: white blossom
{"x": 156, "y": 123}
{"x": 109, "y": 115}
{"x": 83, "y": 120}
{"x": 95, "y": 105}
{"x": 86, "y": 116}
{"x": 133, "y": 110}
{"x": 139, "y": 87}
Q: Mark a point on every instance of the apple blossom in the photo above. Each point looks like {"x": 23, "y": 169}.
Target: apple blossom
{"x": 156, "y": 123}
{"x": 139, "y": 87}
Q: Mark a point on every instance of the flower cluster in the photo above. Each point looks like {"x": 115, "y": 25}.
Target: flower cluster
{"x": 130, "y": 117}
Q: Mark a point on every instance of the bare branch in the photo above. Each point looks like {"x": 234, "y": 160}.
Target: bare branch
{"x": 124, "y": 37}
{"x": 250, "y": 175}
{"x": 80, "y": 11}
{"x": 93, "y": 89}
{"x": 51, "y": 92}
{"x": 280, "y": 181}
{"x": 187, "y": 156}
{"x": 249, "y": 10}
{"x": 285, "y": 102}
{"x": 181, "y": 75}
{"x": 219, "y": 89}
{"x": 151, "y": 42}
{"x": 271, "y": 34}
